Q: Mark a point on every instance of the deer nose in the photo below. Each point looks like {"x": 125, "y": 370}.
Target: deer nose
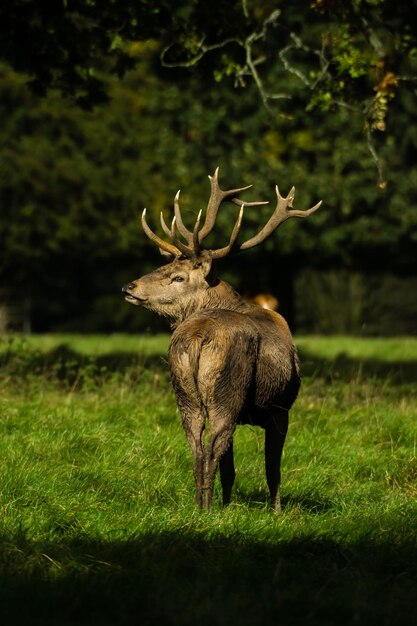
{"x": 128, "y": 287}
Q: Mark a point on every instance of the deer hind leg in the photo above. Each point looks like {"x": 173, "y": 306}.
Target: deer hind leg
{"x": 275, "y": 433}
{"x": 212, "y": 378}
{"x": 218, "y": 451}
{"x": 227, "y": 473}
{"x": 192, "y": 411}
{"x": 225, "y": 377}
{"x": 194, "y": 431}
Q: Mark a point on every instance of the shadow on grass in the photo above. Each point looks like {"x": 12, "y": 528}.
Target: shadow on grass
{"x": 259, "y": 499}
{"x": 187, "y": 579}
{"x": 346, "y": 368}
{"x": 64, "y": 363}
{"x": 67, "y": 365}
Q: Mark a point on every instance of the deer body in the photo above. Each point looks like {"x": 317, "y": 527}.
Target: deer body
{"x": 231, "y": 363}
{"x": 229, "y": 368}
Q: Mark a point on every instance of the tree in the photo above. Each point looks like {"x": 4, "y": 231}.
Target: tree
{"x": 73, "y": 180}
{"x": 357, "y": 55}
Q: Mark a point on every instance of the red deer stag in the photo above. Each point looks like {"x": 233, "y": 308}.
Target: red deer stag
{"x": 231, "y": 363}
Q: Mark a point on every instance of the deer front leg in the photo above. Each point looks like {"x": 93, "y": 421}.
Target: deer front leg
{"x": 275, "y": 433}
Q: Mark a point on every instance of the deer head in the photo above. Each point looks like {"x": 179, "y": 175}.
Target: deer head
{"x": 186, "y": 283}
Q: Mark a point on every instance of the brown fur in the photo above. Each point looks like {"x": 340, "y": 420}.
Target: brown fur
{"x": 231, "y": 363}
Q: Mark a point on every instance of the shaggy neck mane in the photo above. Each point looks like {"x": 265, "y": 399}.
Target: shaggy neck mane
{"x": 219, "y": 295}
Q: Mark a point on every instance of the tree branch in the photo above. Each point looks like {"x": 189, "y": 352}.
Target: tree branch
{"x": 203, "y": 49}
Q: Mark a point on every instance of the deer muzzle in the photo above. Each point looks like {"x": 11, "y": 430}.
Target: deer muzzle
{"x": 130, "y": 297}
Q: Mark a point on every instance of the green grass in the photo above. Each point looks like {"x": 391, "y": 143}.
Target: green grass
{"x": 97, "y": 518}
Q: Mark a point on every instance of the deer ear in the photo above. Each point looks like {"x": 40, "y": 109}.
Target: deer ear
{"x": 204, "y": 262}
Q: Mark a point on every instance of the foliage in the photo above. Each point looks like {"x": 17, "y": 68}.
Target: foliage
{"x": 331, "y": 53}
{"x": 98, "y": 522}
{"x": 340, "y": 302}
{"x": 64, "y": 44}
{"x": 73, "y": 181}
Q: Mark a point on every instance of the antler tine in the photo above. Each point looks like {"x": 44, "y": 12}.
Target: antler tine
{"x": 162, "y": 245}
{"x": 284, "y": 202}
{"x": 165, "y": 228}
{"x": 295, "y": 212}
{"x": 170, "y": 232}
{"x": 191, "y": 237}
{"x": 242, "y": 202}
{"x": 218, "y": 196}
{"x": 280, "y": 214}
{"x": 182, "y": 229}
{"x": 196, "y": 242}
{"x": 186, "y": 250}
{"x": 218, "y": 254}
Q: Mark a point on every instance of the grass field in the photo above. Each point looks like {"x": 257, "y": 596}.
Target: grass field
{"x": 97, "y": 516}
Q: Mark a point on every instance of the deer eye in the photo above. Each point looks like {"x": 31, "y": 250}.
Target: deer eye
{"x": 178, "y": 279}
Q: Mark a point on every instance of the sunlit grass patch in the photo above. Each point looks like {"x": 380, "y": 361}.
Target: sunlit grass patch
{"x": 97, "y": 515}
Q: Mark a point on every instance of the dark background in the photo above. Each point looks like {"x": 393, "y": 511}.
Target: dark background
{"x": 95, "y": 126}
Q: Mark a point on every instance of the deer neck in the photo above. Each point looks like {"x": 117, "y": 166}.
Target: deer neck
{"x": 223, "y": 296}
{"x": 219, "y": 295}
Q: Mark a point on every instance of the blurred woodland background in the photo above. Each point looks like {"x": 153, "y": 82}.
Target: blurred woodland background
{"x": 110, "y": 106}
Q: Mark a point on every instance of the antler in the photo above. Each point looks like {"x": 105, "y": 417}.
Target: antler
{"x": 164, "y": 246}
{"x": 194, "y": 238}
{"x": 218, "y": 196}
{"x": 221, "y": 252}
{"x": 280, "y": 214}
